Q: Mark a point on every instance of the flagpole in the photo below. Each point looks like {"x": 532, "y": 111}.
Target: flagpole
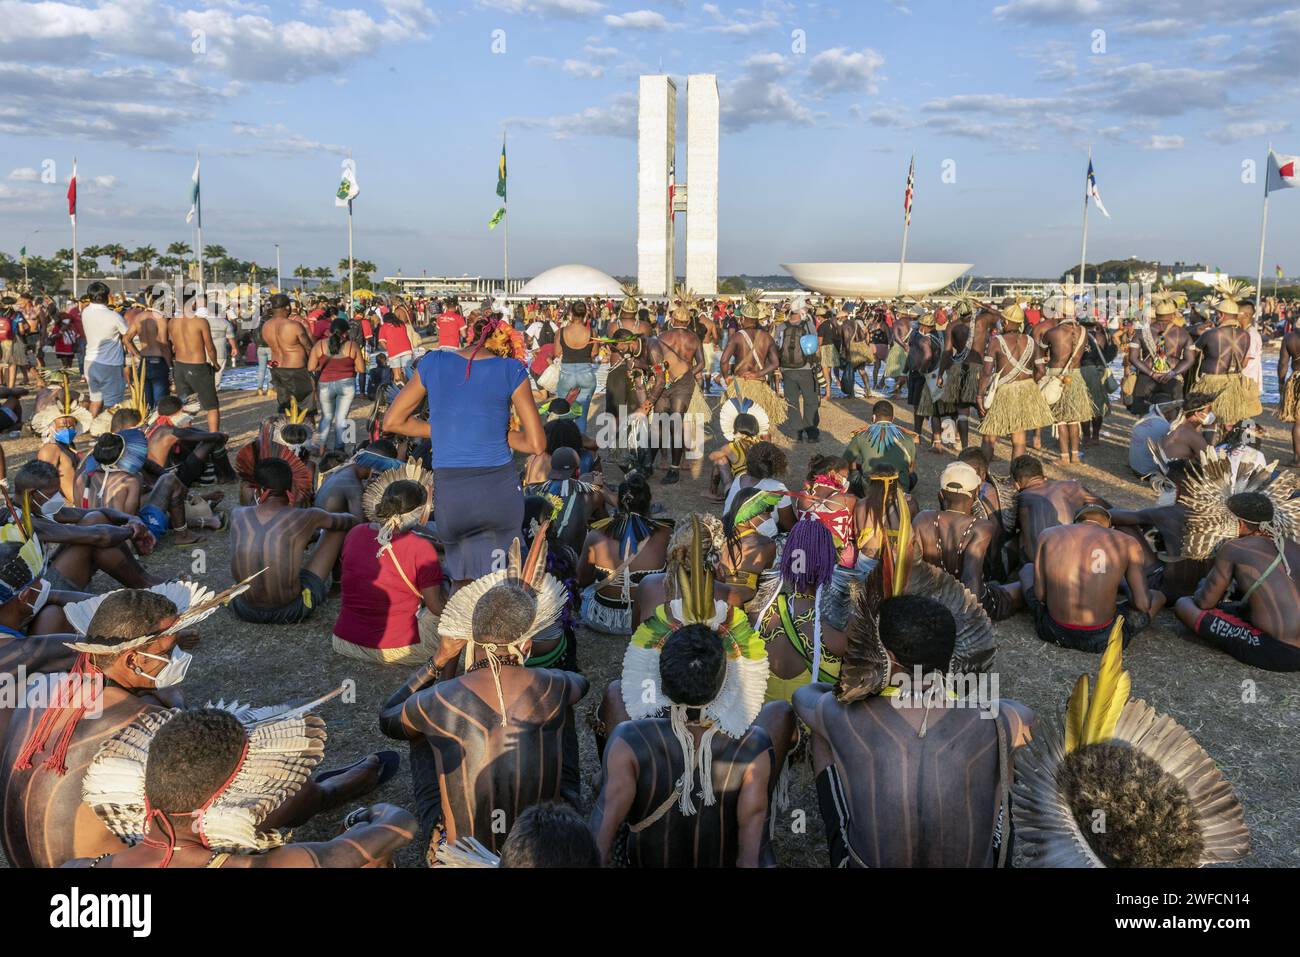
{"x": 1083, "y": 253}
{"x": 505, "y": 204}
{"x": 351, "y": 285}
{"x": 1263, "y": 228}
{"x": 74, "y": 237}
{"x": 907, "y": 222}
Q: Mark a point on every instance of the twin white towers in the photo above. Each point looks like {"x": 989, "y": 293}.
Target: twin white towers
{"x": 660, "y": 194}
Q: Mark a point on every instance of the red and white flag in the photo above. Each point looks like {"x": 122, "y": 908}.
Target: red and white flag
{"x": 907, "y": 194}
{"x": 1283, "y": 172}
{"x": 672, "y": 185}
{"x": 72, "y": 192}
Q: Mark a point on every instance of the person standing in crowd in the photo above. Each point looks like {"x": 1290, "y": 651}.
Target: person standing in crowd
{"x": 336, "y": 362}
{"x": 799, "y": 375}
{"x": 577, "y": 354}
{"x": 108, "y": 338}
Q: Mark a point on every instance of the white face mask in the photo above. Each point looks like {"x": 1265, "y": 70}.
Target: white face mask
{"x": 173, "y": 673}
{"x": 41, "y": 598}
{"x": 52, "y": 505}
{"x": 769, "y": 528}
{"x": 1209, "y": 419}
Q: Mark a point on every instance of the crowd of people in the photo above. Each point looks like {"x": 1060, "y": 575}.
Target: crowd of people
{"x": 505, "y": 501}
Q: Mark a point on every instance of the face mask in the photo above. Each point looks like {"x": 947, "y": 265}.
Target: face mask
{"x": 769, "y": 528}
{"x": 42, "y": 597}
{"x": 1209, "y": 419}
{"x": 51, "y": 506}
{"x": 173, "y": 673}
{"x": 65, "y": 436}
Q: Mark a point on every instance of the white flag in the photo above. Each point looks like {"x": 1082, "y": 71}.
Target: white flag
{"x": 195, "y": 210}
{"x": 348, "y": 189}
{"x": 1283, "y": 172}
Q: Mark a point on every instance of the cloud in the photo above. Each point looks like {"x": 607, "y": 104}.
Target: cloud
{"x": 758, "y": 97}
{"x": 890, "y": 117}
{"x": 1164, "y": 141}
{"x": 839, "y": 70}
{"x": 1048, "y": 11}
{"x": 1248, "y": 130}
{"x": 752, "y": 24}
{"x": 544, "y": 8}
{"x": 617, "y": 118}
{"x": 650, "y": 20}
{"x": 24, "y": 174}
{"x": 275, "y": 139}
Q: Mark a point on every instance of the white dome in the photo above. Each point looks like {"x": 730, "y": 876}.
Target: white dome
{"x": 874, "y": 280}
{"x": 571, "y": 280}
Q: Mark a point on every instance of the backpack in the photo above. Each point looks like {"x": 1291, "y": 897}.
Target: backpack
{"x": 791, "y": 352}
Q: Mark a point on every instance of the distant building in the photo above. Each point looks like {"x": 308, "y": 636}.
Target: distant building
{"x": 468, "y": 286}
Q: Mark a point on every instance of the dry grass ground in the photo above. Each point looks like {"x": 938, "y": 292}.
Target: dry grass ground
{"x": 1246, "y": 719}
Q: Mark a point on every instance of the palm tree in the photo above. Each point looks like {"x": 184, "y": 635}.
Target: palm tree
{"x": 146, "y": 256}
{"x": 302, "y": 274}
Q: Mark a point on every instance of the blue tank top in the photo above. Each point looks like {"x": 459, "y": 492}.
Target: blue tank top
{"x": 468, "y": 418}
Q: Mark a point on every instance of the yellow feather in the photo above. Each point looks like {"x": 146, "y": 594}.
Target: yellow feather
{"x": 903, "y": 556}
{"x": 1075, "y": 712}
{"x": 1112, "y": 690}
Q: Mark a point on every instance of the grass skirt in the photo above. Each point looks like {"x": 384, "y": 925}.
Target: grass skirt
{"x": 765, "y": 398}
{"x": 1075, "y": 404}
{"x": 1094, "y": 378}
{"x": 1290, "y": 408}
{"x": 1238, "y": 400}
{"x": 1017, "y": 407}
{"x": 960, "y": 385}
{"x": 895, "y": 360}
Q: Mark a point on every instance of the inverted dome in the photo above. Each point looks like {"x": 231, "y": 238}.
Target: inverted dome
{"x": 571, "y": 280}
{"x": 874, "y": 280}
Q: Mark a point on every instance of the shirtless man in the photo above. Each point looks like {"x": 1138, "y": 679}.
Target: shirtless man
{"x": 1079, "y": 570}
{"x": 1160, "y": 529}
{"x": 1187, "y": 440}
{"x": 175, "y": 446}
{"x": 155, "y": 347}
{"x": 482, "y": 752}
{"x": 683, "y": 358}
{"x": 290, "y": 346}
{"x": 900, "y": 335}
{"x": 1261, "y": 628}
{"x": 189, "y": 763}
{"x": 643, "y": 764}
{"x": 631, "y": 390}
{"x": 707, "y": 331}
{"x": 1159, "y": 352}
{"x": 1223, "y": 351}
{"x": 952, "y": 537}
{"x": 751, "y": 353}
{"x": 923, "y": 355}
{"x": 161, "y": 507}
{"x": 342, "y": 488}
{"x": 1018, "y": 406}
{"x": 1063, "y": 346}
{"x": 1288, "y": 388}
{"x": 195, "y": 361}
{"x": 954, "y": 367}
{"x": 1042, "y": 504}
{"x": 83, "y": 541}
{"x": 581, "y": 500}
{"x": 869, "y": 755}
{"x": 58, "y": 451}
{"x": 274, "y": 536}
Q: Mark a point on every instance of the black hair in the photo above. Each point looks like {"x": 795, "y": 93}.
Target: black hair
{"x": 169, "y": 405}
{"x": 633, "y": 494}
{"x": 129, "y": 613}
{"x": 821, "y": 464}
{"x": 729, "y": 519}
{"x": 338, "y": 336}
{"x": 563, "y": 434}
{"x": 977, "y": 460}
{"x": 550, "y": 834}
{"x": 108, "y": 448}
{"x": 331, "y": 460}
{"x": 124, "y": 419}
{"x": 399, "y": 498}
{"x": 558, "y": 406}
{"x": 918, "y": 631}
{"x": 578, "y": 310}
{"x": 274, "y": 475}
{"x": 35, "y": 474}
{"x": 884, "y": 409}
{"x": 97, "y": 292}
{"x": 1025, "y": 467}
{"x": 692, "y": 666}
{"x": 765, "y": 460}
{"x": 385, "y": 447}
{"x": 547, "y": 335}
{"x": 279, "y": 301}
{"x": 1253, "y": 508}
{"x": 191, "y": 757}
{"x": 746, "y": 424}
{"x": 565, "y": 453}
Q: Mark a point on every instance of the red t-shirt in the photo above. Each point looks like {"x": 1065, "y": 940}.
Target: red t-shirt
{"x": 6, "y": 329}
{"x": 394, "y": 339}
{"x": 320, "y": 328}
{"x": 1033, "y": 316}
{"x": 378, "y": 608}
{"x": 450, "y": 325}
{"x": 543, "y": 358}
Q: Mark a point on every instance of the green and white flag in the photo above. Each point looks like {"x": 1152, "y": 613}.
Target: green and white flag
{"x": 22, "y": 256}
{"x": 348, "y": 189}
{"x": 501, "y": 172}
{"x": 196, "y": 208}
{"x": 495, "y": 221}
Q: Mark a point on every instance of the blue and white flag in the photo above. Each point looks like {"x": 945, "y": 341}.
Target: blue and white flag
{"x": 1092, "y": 191}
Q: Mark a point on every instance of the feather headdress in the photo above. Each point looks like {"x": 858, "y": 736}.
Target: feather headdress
{"x": 630, "y": 303}
{"x": 1229, "y": 293}
{"x": 687, "y": 302}
{"x": 529, "y": 578}
{"x": 1168, "y": 302}
{"x": 736, "y": 404}
{"x": 966, "y": 302}
{"x": 28, "y": 564}
{"x": 752, "y": 307}
{"x": 65, "y": 406}
{"x": 744, "y": 683}
{"x": 1216, "y": 478}
{"x": 268, "y": 445}
{"x": 1162, "y": 800}
{"x": 394, "y": 525}
{"x": 284, "y": 746}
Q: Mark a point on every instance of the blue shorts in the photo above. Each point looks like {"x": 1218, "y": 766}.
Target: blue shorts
{"x": 105, "y": 383}
{"x": 156, "y": 519}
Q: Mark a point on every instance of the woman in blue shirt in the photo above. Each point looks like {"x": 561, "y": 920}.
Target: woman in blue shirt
{"x": 478, "y": 504}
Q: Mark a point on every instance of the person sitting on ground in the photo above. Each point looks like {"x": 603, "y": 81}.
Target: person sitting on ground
{"x": 618, "y": 554}
{"x": 882, "y": 443}
{"x": 81, "y": 541}
{"x": 29, "y": 604}
{"x": 765, "y": 468}
{"x": 173, "y": 445}
{"x": 484, "y": 744}
{"x": 1042, "y": 504}
{"x": 580, "y": 501}
{"x": 342, "y": 486}
{"x": 1262, "y": 560}
{"x": 664, "y": 587}
{"x": 890, "y": 722}
{"x": 690, "y": 771}
{"x": 550, "y": 834}
{"x": 219, "y": 791}
{"x": 1160, "y": 528}
{"x": 751, "y": 529}
{"x": 731, "y": 461}
{"x": 1083, "y": 576}
{"x": 1186, "y": 438}
{"x": 954, "y": 539}
{"x": 58, "y": 425}
{"x": 392, "y": 582}
{"x": 274, "y": 536}
{"x": 1153, "y": 426}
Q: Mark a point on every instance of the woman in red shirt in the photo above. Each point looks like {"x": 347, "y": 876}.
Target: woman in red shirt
{"x": 395, "y": 337}
{"x": 392, "y": 582}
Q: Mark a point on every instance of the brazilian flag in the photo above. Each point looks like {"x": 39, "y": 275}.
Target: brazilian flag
{"x": 501, "y": 172}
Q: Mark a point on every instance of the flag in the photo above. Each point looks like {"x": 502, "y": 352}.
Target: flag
{"x": 348, "y": 189}
{"x": 496, "y": 218}
{"x": 1279, "y": 271}
{"x": 22, "y": 256}
{"x": 1092, "y": 190}
{"x": 501, "y": 172}
{"x": 672, "y": 184}
{"x": 1282, "y": 172}
{"x": 907, "y": 193}
{"x": 196, "y": 207}
{"x": 72, "y": 192}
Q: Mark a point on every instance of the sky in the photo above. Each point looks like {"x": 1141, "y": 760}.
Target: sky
{"x": 822, "y": 105}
